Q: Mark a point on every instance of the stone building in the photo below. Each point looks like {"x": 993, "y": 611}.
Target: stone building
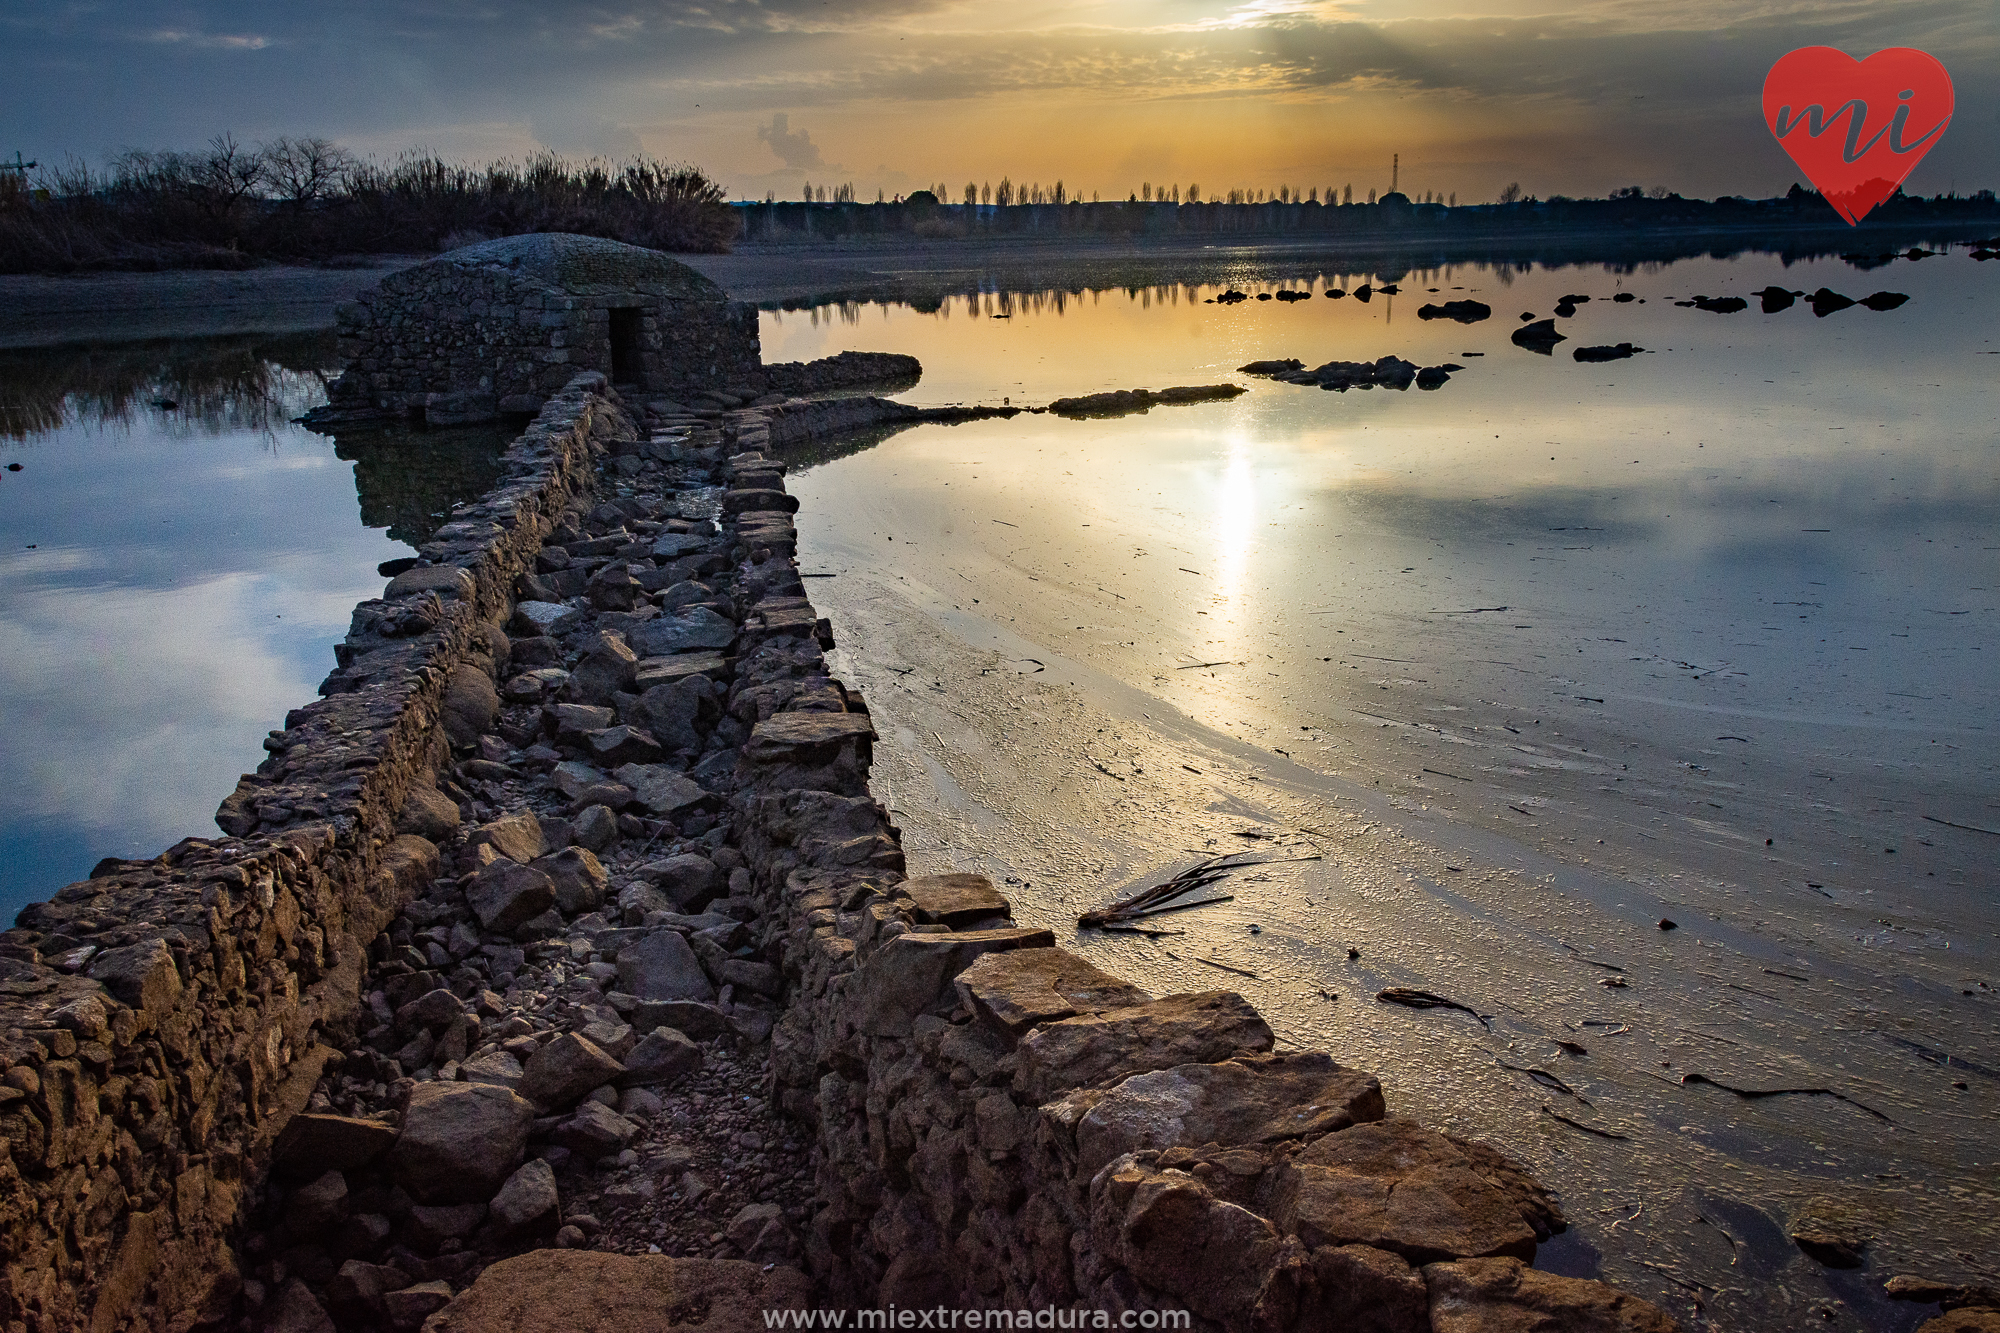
{"x": 498, "y": 328}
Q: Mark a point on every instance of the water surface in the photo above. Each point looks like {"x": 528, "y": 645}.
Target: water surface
{"x": 1534, "y": 662}
{"x": 176, "y": 561}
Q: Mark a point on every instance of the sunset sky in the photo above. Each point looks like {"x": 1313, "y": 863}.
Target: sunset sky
{"x": 1564, "y": 97}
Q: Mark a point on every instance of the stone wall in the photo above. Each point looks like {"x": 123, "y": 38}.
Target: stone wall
{"x": 163, "y": 1020}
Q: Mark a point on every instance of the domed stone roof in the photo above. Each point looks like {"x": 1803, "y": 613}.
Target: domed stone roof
{"x": 586, "y": 264}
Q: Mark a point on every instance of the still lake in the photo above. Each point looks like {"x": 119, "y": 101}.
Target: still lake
{"x": 177, "y": 560}
{"x": 1534, "y": 663}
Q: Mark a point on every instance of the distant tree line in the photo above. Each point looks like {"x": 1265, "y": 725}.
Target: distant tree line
{"x": 1011, "y": 209}
{"x": 231, "y": 205}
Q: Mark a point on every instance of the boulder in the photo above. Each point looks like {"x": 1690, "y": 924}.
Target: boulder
{"x": 575, "y": 721}
{"x": 911, "y": 974}
{"x": 1168, "y": 1231}
{"x": 1826, "y": 301}
{"x": 447, "y": 581}
{"x": 317, "y": 1207}
{"x": 692, "y": 627}
{"x": 429, "y": 1226}
{"x": 1092, "y": 1050}
{"x": 956, "y": 900}
{"x": 470, "y": 705}
{"x": 688, "y": 880}
{"x": 528, "y": 1201}
{"x": 662, "y": 1056}
{"x": 1252, "y": 1100}
{"x": 355, "y": 1293}
{"x": 758, "y": 1232}
{"x": 565, "y": 1070}
{"x": 1014, "y": 991}
{"x": 584, "y": 1291}
{"x": 459, "y": 1141}
{"x": 662, "y": 967}
{"x": 577, "y": 877}
{"x": 703, "y": 1022}
{"x": 1395, "y": 1185}
{"x": 595, "y": 1131}
{"x": 428, "y": 813}
{"x": 596, "y": 828}
{"x": 1502, "y": 1295}
{"x": 296, "y": 1310}
{"x": 622, "y": 745}
{"x": 408, "y": 1308}
{"x": 518, "y": 837}
{"x": 606, "y": 668}
{"x": 1976, "y": 1319}
{"x": 679, "y": 713}
{"x": 538, "y": 619}
{"x": 313, "y": 1142}
{"x": 140, "y": 975}
{"x": 498, "y": 1069}
{"x": 660, "y": 791}
{"x": 506, "y": 894}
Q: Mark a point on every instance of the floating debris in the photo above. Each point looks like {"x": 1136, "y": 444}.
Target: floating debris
{"x": 1423, "y": 999}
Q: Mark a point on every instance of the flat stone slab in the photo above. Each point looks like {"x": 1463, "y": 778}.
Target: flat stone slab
{"x": 1399, "y": 1187}
{"x": 312, "y": 1144}
{"x": 912, "y": 973}
{"x": 444, "y": 580}
{"x": 666, "y": 670}
{"x": 534, "y": 618}
{"x": 1094, "y": 1050}
{"x": 955, "y": 899}
{"x": 694, "y": 627}
{"x": 1016, "y": 991}
{"x": 661, "y": 790}
{"x": 783, "y": 735}
{"x": 674, "y": 545}
{"x": 582, "y": 1291}
{"x": 1254, "y": 1100}
{"x": 1502, "y": 1296}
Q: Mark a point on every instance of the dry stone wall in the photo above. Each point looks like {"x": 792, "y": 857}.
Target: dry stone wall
{"x": 162, "y": 1021}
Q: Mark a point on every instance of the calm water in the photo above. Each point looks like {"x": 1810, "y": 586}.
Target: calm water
{"x": 1533, "y": 662}
{"x": 173, "y": 578}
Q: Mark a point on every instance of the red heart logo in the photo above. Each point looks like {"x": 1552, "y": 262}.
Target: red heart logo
{"x": 1857, "y": 127}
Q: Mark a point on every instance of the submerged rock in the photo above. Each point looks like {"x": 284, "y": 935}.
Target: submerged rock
{"x": 1465, "y": 312}
{"x": 1540, "y": 336}
{"x": 1825, "y": 301}
{"x": 1775, "y": 299}
{"x": 1124, "y": 401}
{"x": 1884, "y": 300}
{"x": 1617, "y": 352}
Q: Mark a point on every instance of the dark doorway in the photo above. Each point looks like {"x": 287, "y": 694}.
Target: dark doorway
{"x": 626, "y": 365}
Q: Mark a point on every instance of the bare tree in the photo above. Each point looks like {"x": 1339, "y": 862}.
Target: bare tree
{"x": 304, "y": 171}
{"x": 1512, "y": 194}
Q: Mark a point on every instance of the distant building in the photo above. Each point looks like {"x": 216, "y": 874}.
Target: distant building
{"x": 497, "y": 328}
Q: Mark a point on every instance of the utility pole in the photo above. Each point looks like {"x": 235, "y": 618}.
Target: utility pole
{"x": 18, "y": 167}
{"x": 1395, "y": 170}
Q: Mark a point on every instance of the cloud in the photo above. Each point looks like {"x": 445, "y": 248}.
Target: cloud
{"x": 207, "y": 41}
{"x": 794, "y": 147}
